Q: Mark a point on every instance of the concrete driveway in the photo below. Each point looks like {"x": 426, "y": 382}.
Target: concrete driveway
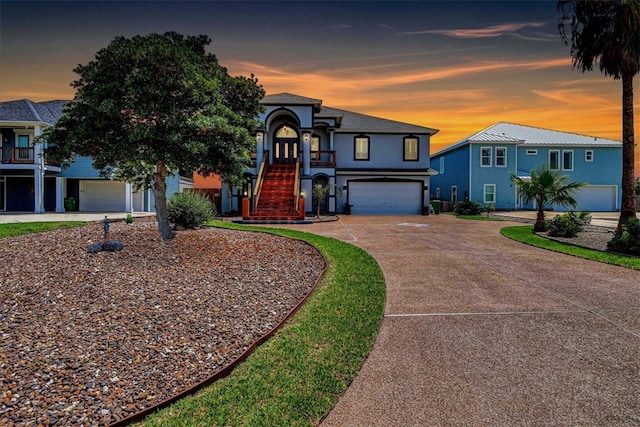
{"x": 481, "y": 330}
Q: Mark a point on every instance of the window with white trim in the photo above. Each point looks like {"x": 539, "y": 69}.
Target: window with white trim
{"x": 501, "y": 157}
{"x": 361, "y": 148}
{"x": 441, "y": 165}
{"x": 489, "y": 193}
{"x": 588, "y": 156}
{"x": 532, "y": 152}
{"x": 485, "y": 157}
{"x": 315, "y": 147}
{"x": 567, "y": 160}
{"x": 454, "y": 194}
{"x": 554, "y": 159}
{"x": 411, "y": 148}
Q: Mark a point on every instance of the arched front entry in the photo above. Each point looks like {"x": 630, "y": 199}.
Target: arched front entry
{"x": 286, "y": 145}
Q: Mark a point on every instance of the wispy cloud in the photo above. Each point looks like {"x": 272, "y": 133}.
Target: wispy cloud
{"x": 487, "y": 32}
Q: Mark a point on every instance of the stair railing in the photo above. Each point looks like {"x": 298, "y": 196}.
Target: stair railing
{"x": 296, "y": 187}
{"x": 258, "y": 187}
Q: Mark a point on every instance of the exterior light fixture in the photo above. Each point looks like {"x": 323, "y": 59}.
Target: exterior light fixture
{"x": 259, "y": 137}
{"x": 306, "y": 137}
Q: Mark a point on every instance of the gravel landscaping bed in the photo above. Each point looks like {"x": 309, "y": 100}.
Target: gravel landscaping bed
{"x": 88, "y": 339}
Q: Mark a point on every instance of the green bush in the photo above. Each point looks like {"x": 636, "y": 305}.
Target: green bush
{"x": 467, "y": 207}
{"x": 190, "y": 209}
{"x": 627, "y": 241}
{"x": 568, "y": 225}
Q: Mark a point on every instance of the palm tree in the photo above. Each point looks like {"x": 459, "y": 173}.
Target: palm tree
{"x": 607, "y": 33}
{"x": 546, "y": 186}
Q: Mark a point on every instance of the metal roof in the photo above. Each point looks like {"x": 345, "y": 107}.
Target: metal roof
{"x": 503, "y": 132}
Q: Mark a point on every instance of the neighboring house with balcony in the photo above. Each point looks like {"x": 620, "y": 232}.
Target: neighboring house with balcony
{"x": 30, "y": 183}
{"x": 479, "y": 168}
{"x": 371, "y": 165}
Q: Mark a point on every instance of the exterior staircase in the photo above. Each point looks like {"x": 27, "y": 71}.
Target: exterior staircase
{"x": 277, "y": 201}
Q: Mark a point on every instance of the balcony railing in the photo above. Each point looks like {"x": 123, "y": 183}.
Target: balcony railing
{"x": 20, "y": 155}
{"x": 323, "y": 158}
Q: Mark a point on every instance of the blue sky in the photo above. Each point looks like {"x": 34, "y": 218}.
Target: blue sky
{"x": 457, "y": 66}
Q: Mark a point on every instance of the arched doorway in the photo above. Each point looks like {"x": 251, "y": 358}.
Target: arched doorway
{"x": 323, "y": 201}
{"x": 286, "y": 145}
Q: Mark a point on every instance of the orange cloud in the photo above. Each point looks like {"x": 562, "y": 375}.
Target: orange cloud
{"x": 492, "y": 31}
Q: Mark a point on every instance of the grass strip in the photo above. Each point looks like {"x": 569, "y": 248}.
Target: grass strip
{"x": 18, "y": 228}
{"x": 295, "y": 378}
{"x": 525, "y": 234}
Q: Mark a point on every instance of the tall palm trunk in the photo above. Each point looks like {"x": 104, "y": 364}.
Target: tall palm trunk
{"x": 628, "y": 208}
{"x": 539, "y": 225}
{"x": 160, "y": 194}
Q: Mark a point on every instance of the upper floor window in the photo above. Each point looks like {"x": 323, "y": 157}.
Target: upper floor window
{"x": 554, "y": 159}
{"x": 501, "y": 157}
{"x": 532, "y": 152}
{"x": 485, "y": 156}
{"x": 411, "y": 148}
{"x": 361, "y": 148}
{"x": 588, "y": 156}
{"x": 23, "y": 141}
{"x": 441, "y": 165}
{"x": 315, "y": 147}
{"x": 567, "y": 160}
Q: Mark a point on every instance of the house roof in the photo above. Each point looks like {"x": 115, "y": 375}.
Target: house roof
{"x": 290, "y": 99}
{"x": 25, "y": 110}
{"x": 503, "y": 132}
{"x": 362, "y": 123}
{"x": 350, "y": 122}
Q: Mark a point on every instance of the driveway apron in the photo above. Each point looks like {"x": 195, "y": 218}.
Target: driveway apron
{"x": 482, "y": 330}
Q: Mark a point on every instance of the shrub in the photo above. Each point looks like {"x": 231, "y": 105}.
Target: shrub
{"x": 129, "y": 219}
{"x": 568, "y": 225}
{"x": 467, "y": 207}
{"x": 190, "y": 209}
{"x": 627, "y": 241}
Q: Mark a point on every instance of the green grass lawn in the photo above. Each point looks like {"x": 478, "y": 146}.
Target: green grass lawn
{"x": 525, "y": 234}
{"x": 15, "y": 229}
{"x": 296, "y": 377}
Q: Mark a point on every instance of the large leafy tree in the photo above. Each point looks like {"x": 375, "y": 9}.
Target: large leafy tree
{"x": 546, "y": 187}
{"x": 152, "y": 106}
{"x": 606, "y": 34}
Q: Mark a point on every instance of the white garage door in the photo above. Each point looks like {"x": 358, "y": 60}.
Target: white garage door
{"x": 385, "y": 197}
{"x": 102, "y": 196}
{"x": 596, "y": 198}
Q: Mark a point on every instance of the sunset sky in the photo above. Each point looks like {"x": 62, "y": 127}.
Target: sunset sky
{"x": 451, "y": 65}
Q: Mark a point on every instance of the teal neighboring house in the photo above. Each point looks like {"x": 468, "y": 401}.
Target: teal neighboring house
{"x": 30, "y": 183}
{"x": 479, "y": 167}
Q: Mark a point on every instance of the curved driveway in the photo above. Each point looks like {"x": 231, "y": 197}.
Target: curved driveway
{"x": 482, "y": 330}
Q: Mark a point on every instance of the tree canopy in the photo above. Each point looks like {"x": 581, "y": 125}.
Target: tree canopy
{"x": 606, "y": 34}
{"x": 152, "y": 106}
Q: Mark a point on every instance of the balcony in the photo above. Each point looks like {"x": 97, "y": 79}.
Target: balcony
{"x": 323, "y": 159}
{"x": 20, "y": 156}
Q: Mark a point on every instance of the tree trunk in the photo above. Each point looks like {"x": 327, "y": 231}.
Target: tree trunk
{"x": 539, "y": 225}
{"x": 628, "y": 208}
{"x": 160, "y": 193}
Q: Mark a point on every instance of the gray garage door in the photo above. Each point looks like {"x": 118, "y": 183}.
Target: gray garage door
{"x": 102, "y": 196}
{"x": 596, "y": 198}
{"x": 385, "y": 197}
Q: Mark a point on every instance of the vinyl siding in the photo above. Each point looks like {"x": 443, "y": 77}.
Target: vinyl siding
{"x": 456, "y": 172}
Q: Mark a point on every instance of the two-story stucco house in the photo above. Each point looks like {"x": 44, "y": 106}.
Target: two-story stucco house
{"x": 30, "y": 183}
{"x": 370, "y": 165}
{"x": 479, "y": 168}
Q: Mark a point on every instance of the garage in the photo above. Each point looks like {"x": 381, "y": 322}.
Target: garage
{"x": 597, "y": 198}
{"x": 385, "y": 198}
{"x": 102, "y": 196}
